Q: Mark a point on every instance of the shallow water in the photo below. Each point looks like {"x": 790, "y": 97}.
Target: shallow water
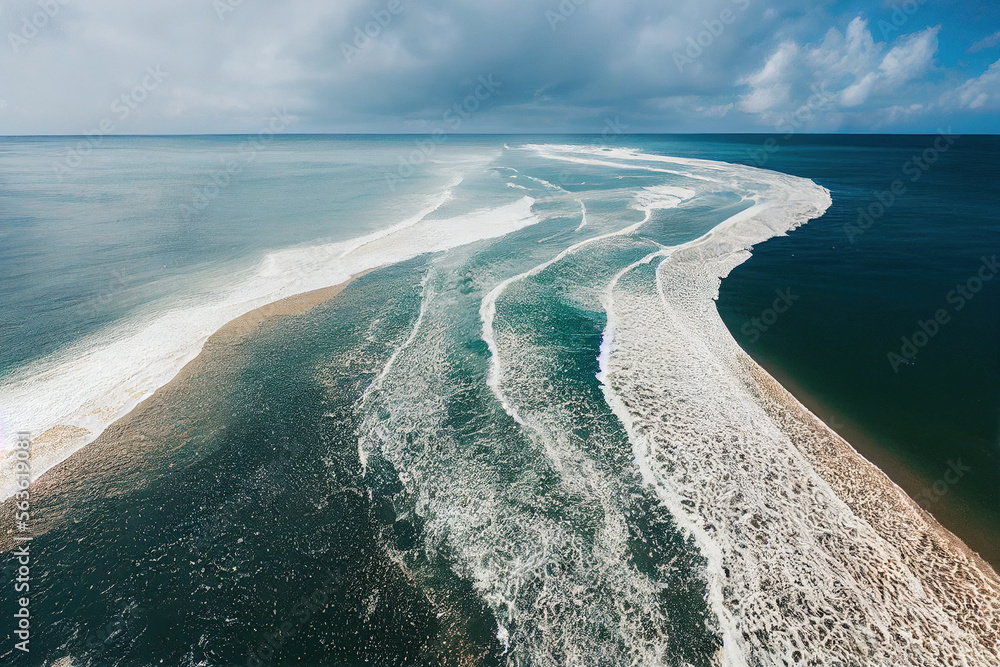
{"x": 528, "y": 441}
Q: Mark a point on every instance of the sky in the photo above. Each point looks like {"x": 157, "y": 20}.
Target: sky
{"x": 72, "y": 67}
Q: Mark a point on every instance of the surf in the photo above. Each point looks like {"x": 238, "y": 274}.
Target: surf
{"x": 66, "y": 401}
{"x": 787, "y": 545}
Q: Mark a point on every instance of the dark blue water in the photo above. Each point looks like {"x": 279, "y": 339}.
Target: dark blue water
{"x": 930, "y": 414}
{"x": 228, "y": 522}
{"x": 243, "y": 534}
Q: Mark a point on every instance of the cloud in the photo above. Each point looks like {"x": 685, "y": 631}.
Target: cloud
{"x": 771, "y": 87}
{"x": 399, "y": 65}
{"x": 910, "y": 58}
{"x": 372, "y": 65}
{"x": 985, "y": 43}
{"x": 716, "y": 111}
{"x": 981, "y": 93}
{"x": 850, "y": 71}
{"x": 222, "y": 75}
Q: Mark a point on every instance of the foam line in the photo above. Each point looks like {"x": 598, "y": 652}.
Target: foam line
{"x": 813, "y": 554}
{"x": 68, "y": 400}
{"x": 636, "y": 154}
{"x": 583, "y": 215}
{"x": 425, "y": 301}
{"x": 566, "y": 156}
{"x": 409, "y": 222}
{"x": 488, "y": 310}
{"x": 543, "y": 183}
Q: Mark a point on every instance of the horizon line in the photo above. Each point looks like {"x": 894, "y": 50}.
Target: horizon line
{"x": 492, "y": 134}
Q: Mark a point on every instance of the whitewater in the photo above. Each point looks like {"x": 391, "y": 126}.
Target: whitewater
{"x": 575, "y": 431}
{"x": 800, "y": 565}
{"x": 68, "y": 400}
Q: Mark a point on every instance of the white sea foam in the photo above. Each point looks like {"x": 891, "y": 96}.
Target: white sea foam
{"x": 800, "y": 565}
{"x": 488, "y": 308}
{"x": 592, "y": 583}
{"x": 409, "y": 222}
{"x": 583, "y": 215}
{"x": 812, "y": 555}
{"x": 550, "y": 560}
{"x": 803, "y": 566}
{"x": 68, "y": 400}
{"x": 574, "y": 154}
{"x": 376, "y": 384}
{"x": 543, "y": 182}
{"x": 663, "y": 196}
{"x": 632, "y": 154}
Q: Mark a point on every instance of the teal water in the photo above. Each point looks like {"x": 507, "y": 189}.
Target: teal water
{"x": 140, "y": 221}
{"x": 425, "y": 470}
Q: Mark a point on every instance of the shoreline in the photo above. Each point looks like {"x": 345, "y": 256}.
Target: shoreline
{"x": 950, "y": 514}
{"x": 862, "y": 445}
{"x": 107, "y": 453}
{"x": 946, "y": 567}
{"x": 764, "y": 464}
{"x": 905, "y": 539}
{"x": 287, "y": 307}
{"x": 794, "y": 417}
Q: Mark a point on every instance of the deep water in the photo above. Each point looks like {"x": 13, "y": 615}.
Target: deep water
{"x": 246, "y": 536}
{"x": 859, "y": 289}
{"x": 424, "y": 470}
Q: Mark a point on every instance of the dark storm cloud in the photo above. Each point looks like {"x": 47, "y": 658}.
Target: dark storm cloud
{"x": 399, "y": 65}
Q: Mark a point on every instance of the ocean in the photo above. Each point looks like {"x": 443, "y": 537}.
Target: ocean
{"x": 525, "y": 432}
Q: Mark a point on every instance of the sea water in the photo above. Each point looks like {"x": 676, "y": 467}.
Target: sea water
{"x": 529, "y": 440}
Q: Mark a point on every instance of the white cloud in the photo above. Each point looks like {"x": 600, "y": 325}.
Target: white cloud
{"x": 848, "y": 55}
{"x": 982, "y": 92}
{"x": 716, "y": 110}
{"x": 911, "y": 57}
{"x": 771, "y": 87}
{"x": 857, "y": 93}
{"x": 607, "y": 59}
{"x": 987, "y": 42}
{"x": 853, "y": 71}
{"x": 901, "y": 114}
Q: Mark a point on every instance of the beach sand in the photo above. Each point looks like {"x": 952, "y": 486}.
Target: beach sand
{"x": 130, "y": 450}
{"x": 944, "y": 564}
{"x": 948, "y": 510}
{"x": 153, "y": 438}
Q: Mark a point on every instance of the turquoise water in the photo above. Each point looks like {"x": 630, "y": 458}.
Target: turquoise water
{"x": 140, "y": 221}
{"x": 445, "y": 464}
